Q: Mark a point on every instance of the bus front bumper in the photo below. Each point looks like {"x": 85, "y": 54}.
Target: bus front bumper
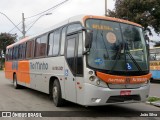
{"x": 95, "y": 96}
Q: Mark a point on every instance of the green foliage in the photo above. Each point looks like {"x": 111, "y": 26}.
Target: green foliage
{"x": 144, "y": 12}
{"x": 153, "y": 99}
{"x": 5, "y": 40}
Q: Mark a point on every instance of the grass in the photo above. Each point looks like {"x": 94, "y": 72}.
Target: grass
{"x": 153, "y": 99}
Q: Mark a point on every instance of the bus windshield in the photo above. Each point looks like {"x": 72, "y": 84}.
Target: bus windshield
{"x": 117, "y": 47}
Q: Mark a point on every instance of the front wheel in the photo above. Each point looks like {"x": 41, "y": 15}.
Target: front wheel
{"x": 56, "y": 94}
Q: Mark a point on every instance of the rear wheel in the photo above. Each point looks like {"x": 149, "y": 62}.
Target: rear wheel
{"x": 16, "y": 86}
{"x": 56, "y": 94}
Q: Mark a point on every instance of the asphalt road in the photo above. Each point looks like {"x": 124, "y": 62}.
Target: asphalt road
{"x": 155, "y": 89}
{"x": 30, "y": 100}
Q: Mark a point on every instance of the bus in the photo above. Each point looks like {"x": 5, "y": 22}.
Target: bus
{"x": 89, "y": 60}
{"x": 155, "y": 63}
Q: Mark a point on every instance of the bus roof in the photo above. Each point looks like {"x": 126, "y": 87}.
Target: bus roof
{"x": 80, "y": 18}
{"x": 111, "y": 19}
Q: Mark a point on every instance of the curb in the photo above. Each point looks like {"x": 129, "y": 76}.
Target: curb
{"x": 157, "y": 103}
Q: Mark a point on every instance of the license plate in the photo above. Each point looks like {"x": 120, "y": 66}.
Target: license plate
{"x": 126, "y": 92}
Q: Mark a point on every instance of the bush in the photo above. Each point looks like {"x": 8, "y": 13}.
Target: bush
{"x": 153, "y": 99}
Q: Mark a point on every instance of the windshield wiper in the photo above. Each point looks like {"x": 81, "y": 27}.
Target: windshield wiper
{"x": 120, "y": 47}
{"x": 132, "y": 58}
{"x": 129, "y": 54}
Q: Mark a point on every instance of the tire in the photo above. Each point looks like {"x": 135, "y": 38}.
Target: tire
{"x": 16, "y": 86}
{"x": 56, "y": 94}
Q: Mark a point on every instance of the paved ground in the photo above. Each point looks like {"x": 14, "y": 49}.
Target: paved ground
{"x": 31, "y": 100}
{"x": 155, "y": 89}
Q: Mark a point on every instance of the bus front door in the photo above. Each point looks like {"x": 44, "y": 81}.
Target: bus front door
{"x": 70, "y": 68}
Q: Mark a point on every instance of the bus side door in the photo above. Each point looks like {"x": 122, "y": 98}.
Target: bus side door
{"x": 70, "y": 67}
{"x": 74, "y": 68}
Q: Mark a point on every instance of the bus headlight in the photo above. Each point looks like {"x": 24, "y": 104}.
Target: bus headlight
{"x": 97, "y": 81}
{"x": 92, "y": 78}
{"x": 145, "y": 84}
{"x": 90, "y": 72}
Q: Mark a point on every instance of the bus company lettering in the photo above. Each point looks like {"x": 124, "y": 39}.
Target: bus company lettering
{"x": 139, "y": 79}
{"x": 126, "y": 80}
{"x": 116, "y": 80}
{"x": 39, "y": 66}
{"x": 57, "y": 68}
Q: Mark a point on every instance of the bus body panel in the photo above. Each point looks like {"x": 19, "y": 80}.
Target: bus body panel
{"x": 41, "y": 71}
{"x": 8, "y": 70}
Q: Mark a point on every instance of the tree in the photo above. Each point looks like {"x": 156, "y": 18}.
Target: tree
{"x": 5, "y": 40}
{"x": 144, "y": 12}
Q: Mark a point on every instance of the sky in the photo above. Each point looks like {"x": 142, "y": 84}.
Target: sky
{"x": 13, "y": 9}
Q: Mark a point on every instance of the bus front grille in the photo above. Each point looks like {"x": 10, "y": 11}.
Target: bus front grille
{"x": 123, "y": 86}
{"x": 119, "y": 98}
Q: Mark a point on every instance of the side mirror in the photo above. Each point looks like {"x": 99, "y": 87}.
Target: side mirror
{"x": 88, "y": 40}
{"x": 146, "y": 38}
{"x": 148, "y": 49}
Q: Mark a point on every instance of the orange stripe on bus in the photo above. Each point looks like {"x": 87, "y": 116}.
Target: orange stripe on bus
{"x": 8, "y": 70}
{"x": 114, "y": 79}
{"x": 110, "y": 19}
{"x": 24, "y": 70}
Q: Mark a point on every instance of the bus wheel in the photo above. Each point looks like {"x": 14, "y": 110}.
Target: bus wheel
{"x": 16, "y": 86}
{"x": 56, "y": 94}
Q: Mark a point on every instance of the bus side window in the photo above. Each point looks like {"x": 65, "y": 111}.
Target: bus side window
{"x": 63, "y": 37}
{"x": 54, "y": 43}
{"x": 70, "y": 53}
{"x": 23, "y": 51}
{"x": 11, "y": 54}
{"x": 37, "y": 47}
{"x": 50, "y": 44}
{"x": 20, "y": 51}
{"x": 17, "y": 52}
{"x": 43, "y": 45}
{"x": 29, "y": 50}
{"x": 79, "y": 56}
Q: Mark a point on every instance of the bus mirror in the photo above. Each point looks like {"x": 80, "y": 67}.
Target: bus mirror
{"x": 88, "y": 40}
{"x": 147, "y": 46}
{"x": 146, "y": 38}
{"x": 148, "y": 49}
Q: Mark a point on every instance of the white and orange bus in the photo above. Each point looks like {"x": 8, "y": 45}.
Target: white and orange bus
{"x": 88, "y": 60}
